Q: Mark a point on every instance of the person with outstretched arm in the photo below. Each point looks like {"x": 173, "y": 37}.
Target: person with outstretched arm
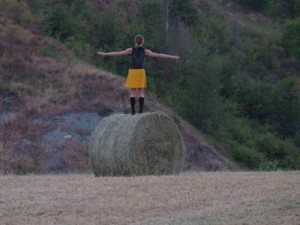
{"x": 136, "y": 79}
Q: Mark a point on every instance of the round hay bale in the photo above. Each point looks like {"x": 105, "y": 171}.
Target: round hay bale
{"x": 143, "y": 144}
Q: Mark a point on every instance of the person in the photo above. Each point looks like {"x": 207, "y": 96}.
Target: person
{"x": 136, "y": 79}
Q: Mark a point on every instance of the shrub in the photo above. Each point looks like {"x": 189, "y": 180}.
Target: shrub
{"x": 255, "y": 4}
{"x": 253, "y": 145}
{"x": 246, "y": 156}
{"x": 82, "y": 49}
{"x": 60, "y": 23}
{"x": 152, "y": 16}
{"x": 291, "y": 38}
{"x": 269, "y": 166}
{"x": 186, "y": 10}
{"x": 276, "y": 150}
{"x": 17, "y": 11}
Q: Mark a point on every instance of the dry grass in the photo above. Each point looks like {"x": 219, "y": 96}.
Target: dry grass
{"x": 144, "y": 144}
{"x": 40, "y": 78}
{"x": 197, "y": 198}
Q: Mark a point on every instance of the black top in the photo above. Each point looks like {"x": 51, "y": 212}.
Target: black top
{"x": 137, "y": 58}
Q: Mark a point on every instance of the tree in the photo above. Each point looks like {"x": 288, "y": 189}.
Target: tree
{"x": 186, "y": 11}
{"x": 152, "y": 16}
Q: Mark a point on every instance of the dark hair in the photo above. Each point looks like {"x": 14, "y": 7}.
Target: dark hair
{"x": 139, "y": 39}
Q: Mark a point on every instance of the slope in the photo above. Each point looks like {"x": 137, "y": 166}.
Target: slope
{"x": 51, "y": 101}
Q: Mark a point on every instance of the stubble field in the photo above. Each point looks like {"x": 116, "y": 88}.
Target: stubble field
{"x": 244, "y": 198}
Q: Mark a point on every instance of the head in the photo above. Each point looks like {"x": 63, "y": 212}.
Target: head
{"x": 139, "y": 40}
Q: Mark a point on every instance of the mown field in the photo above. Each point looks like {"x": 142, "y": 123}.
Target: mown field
{"x": 244, "y": 198}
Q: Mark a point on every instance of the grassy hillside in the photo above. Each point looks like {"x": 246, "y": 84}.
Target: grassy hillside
{"x": 40, "y": 78}
{"x": 192, "y": 199}
{"x": 237, "y": 81}
{"x": 46, "y": 92}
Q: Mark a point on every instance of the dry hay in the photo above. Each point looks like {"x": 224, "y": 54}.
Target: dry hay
{"x": 143, "y": 144}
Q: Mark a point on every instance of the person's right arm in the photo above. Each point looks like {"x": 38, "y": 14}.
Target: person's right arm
{"x": 115, "y": 54}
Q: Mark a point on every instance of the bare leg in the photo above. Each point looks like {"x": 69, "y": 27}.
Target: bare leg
{"x": 140, "y": 92}
{"x": 133, "y": 92}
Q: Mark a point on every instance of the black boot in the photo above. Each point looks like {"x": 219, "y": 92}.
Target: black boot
{"x": 132, "y": 103}
{"x": 141, "y": 101}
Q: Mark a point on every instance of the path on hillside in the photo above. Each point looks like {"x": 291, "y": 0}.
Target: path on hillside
{"x": 195, "y": 198}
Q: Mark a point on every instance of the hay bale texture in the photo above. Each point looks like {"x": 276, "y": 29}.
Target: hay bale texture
{"x": 143, "y": 144}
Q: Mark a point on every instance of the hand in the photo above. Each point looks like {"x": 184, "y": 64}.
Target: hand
{"x": 176, "y": 57}
{"x": 101, "y": 53}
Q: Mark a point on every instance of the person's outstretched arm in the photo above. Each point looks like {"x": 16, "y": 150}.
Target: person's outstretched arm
{"x": 121, "y": 53}
{"x": 160, "y": 55}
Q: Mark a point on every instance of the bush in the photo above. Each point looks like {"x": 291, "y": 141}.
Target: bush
{"x": 273, "y": 104}
{"x": 60, "y": 23}
{"x": 269, "y": 166}
{"x": 246, "y": 156}
{"x": 111, "y": 29}
{"x": 82, "y": 49}
{"x": 152, "y": 16}
{"x": 278, "y": 150}
{"x": 65, "y": 19}
{"x": 284, "y": 8}
{"x": 252, "y": 145}
{"x": 291, "y": 38}
{"x": 200, "y": 77}
{"x": 17, "y": 11}
{"x": 255, "y": 4}
{"x": 275, "y": 8}
{"x": 187, "y": 11}
{"x": 296, "y": 140}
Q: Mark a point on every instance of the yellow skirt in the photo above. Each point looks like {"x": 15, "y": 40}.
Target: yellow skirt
{"x": 136, "y": 78}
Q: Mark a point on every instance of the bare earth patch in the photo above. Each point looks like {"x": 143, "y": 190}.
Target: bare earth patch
{"x": 244, "y": 198}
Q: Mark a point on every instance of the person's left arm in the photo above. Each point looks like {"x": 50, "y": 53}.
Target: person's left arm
{"x": 160, "y": 55}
